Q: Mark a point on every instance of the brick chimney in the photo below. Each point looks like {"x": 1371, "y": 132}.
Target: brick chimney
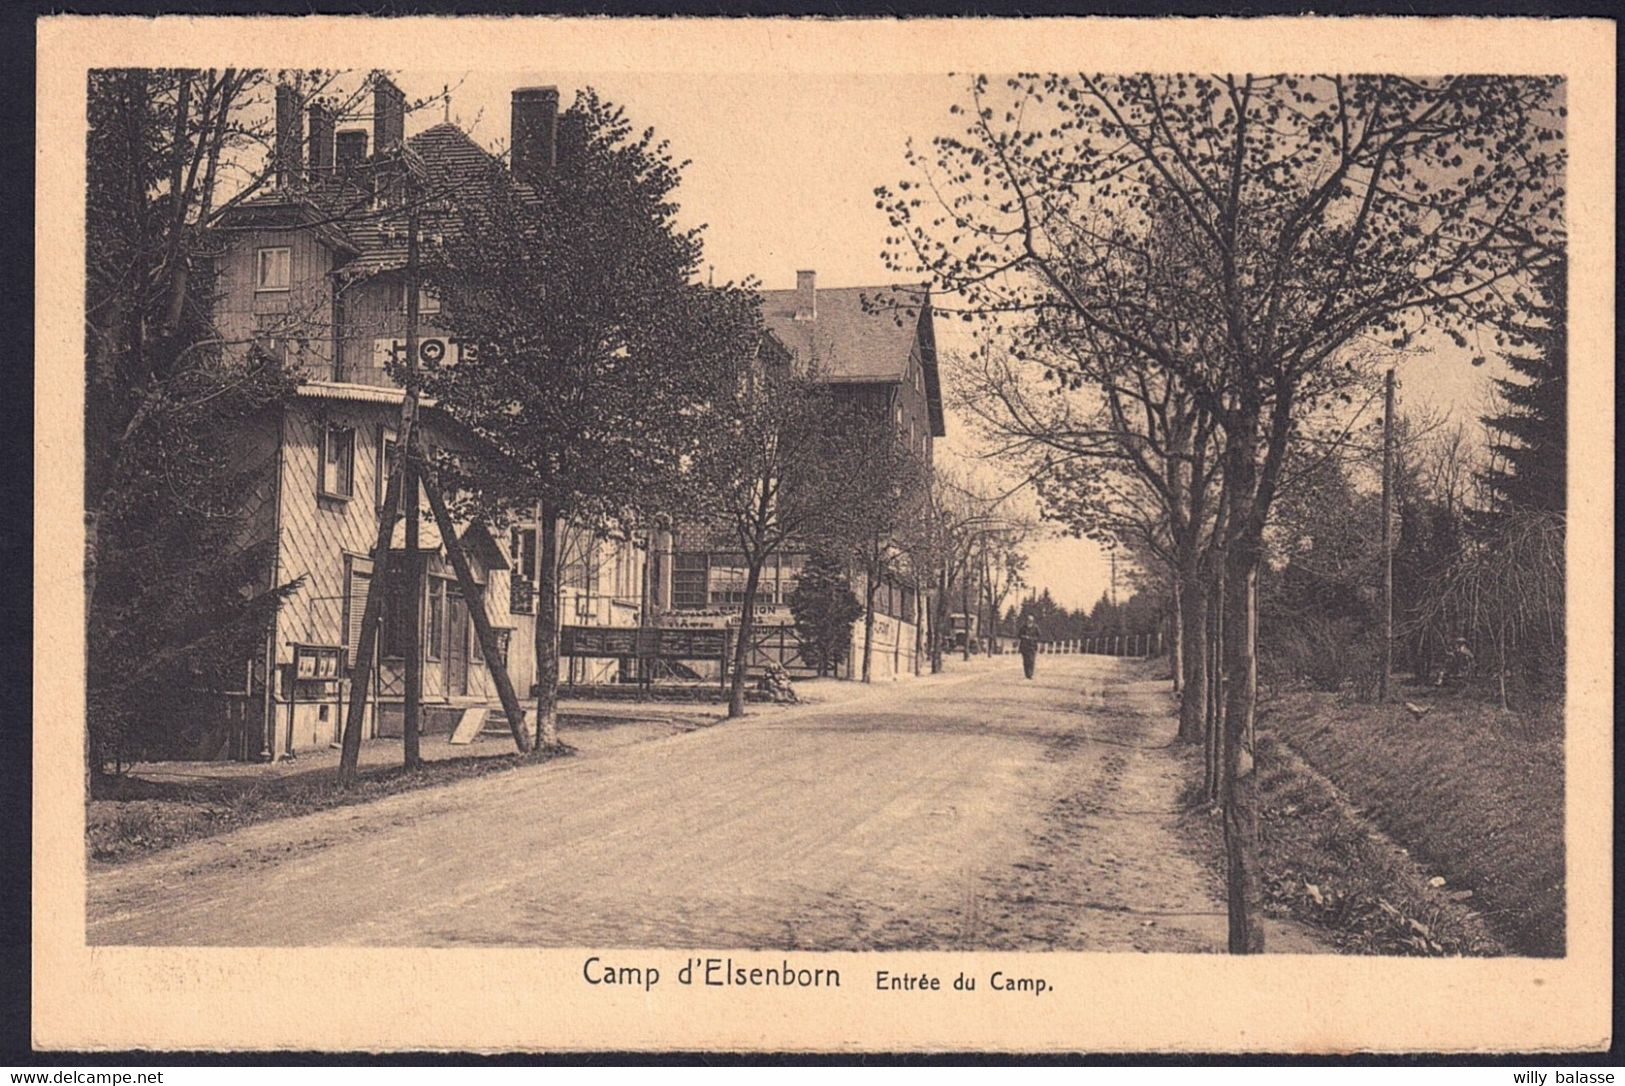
{"x": 534, "y": 128}
{"x": 388, "y": 116}
{"x": 806, "y": 295}
{"x": 350, "y": 148}
{"x": 321, "y": 138}
{"x": 288, "y": 147}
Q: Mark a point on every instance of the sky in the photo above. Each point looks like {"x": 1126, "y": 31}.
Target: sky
{"x": 782, "y": 171}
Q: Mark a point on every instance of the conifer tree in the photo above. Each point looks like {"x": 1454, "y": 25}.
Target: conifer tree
{"x": 1529, "y": 436}
{"x": 825, "y": 607}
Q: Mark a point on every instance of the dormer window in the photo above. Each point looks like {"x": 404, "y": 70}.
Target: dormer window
{"x": 428, "y": 300}
{"x": 272, "y": 266}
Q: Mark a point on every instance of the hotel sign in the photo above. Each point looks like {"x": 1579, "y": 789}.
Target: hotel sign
{"x": 433, "y": 351}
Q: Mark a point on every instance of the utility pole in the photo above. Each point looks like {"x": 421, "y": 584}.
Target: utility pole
{"x": 1387, "y": 536}
{"x": 412, "y": 707}
{"x": 409, "y": 451}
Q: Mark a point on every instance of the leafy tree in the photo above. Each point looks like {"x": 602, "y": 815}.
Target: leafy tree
{"x": 1307, "y": 211}
{"x": 598, "y": 352}
{"x": 825, "y": 607}
{"x": 178, "y": 589}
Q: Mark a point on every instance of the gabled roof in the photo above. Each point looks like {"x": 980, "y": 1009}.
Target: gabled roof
{"x": 442, "y": 158}
{"x": 861, "y": 334}
{"x": 277, "y": 210}
{"x": 475, "y": 536}
{"x": 858, "y": 334}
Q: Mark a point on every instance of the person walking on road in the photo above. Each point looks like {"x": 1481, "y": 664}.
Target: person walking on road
{"x": 1028, "y": 639}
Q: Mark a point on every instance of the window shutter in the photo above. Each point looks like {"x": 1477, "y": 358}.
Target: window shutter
{"x": 360, "y": 578}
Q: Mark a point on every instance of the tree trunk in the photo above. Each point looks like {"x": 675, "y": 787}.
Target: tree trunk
{"x": 920, "y": 626}
{"x": 1176, "y": 648}
{"x": 1237, "y": 781}
{"x": 872, "y": 584}
{"x": 747, "y": 617}
{"x": 1213, "y": 602}
{"x": 1190, "y": 653}
{"x": 547, "y": 633}
{"x": 964, "y": 601}
{"x": 939, "y": 622}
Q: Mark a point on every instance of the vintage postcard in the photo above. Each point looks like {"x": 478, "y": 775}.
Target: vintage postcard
{"x": 1084, "y": 535}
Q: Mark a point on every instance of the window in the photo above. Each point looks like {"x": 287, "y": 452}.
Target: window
{"x": 386, "y": 465}
{"x": 581, "y": 568}
{"x": 727, "y": 579}
{"x": 338, "y": 462}
{"x": 392, "y": 637}
{"x": 435, "y": 631}
{"x": 271, "y": 336}
{"x": 428, "y": 299}
{"x": 688, "y": 580}
{"x": 521, "y": 585}
{"x": 272, "y": 267}
{"x": 790, "y": 566}
{"x": 522, "y": 545}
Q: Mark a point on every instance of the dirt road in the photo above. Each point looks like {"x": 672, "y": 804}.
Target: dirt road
{"x": 967, "y": 810}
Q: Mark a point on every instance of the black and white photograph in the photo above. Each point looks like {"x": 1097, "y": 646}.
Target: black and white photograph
{"x": 723, "y": 519}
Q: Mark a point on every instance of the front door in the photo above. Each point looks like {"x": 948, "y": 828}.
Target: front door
{"x": 456, "y": 641}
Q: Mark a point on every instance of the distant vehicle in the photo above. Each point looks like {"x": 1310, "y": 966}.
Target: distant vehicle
{"x": 961, "y": 626}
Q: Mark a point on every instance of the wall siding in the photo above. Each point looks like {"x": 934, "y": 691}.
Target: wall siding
{"x": 370, "y": 309}
{"x": 319, "y": 533}
{"x": 300, "y": 318}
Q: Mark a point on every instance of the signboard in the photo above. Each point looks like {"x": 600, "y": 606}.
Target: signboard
{"x": 623, "y": 641}
{"x": 693, "y": 644}
{"x": 433, "y": 351}
{"x": 767, "y": 614}
{"x": 317, "y": 663}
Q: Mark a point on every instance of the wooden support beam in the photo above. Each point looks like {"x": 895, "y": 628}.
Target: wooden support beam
{"x": 472, "y": 592}
{"x": 361, "y": 667}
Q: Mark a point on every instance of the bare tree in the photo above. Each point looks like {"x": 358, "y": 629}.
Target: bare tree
{"x": 770, "y": 474}
{"x": 884, "y": 506}
{"x": 1319, "y": 209}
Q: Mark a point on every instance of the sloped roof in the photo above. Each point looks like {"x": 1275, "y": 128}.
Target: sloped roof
{"x": 443, "y": 158}
{"x": 858, "y": 334}
{"x": 861, "y": 335}
{"x": 475, "y": 536}
{"x": 280, "y": 210}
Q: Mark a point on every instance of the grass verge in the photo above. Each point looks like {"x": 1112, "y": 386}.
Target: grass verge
{"x": 1396, "y": 834}
{"x": 1474, "y": 794}
{"x": 133, "y": 817}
